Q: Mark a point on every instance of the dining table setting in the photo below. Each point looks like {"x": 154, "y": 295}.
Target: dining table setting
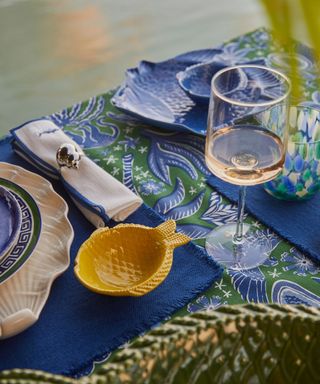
{"x": 123, "y": 212}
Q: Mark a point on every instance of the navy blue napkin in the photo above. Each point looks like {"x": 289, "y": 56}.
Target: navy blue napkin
{"x": 298, "y": 222}
{"x": 76, "y": 326}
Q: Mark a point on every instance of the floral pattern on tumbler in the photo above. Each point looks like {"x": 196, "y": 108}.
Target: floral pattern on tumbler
{"x": 300, "y": 178}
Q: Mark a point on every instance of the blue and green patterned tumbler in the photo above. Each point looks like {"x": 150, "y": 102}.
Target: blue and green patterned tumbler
{"x": 300, "y": 177}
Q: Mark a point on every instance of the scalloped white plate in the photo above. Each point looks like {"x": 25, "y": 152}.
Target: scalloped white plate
{"x": 23, "y": 295}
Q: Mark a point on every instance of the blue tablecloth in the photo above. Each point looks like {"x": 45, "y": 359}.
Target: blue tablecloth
{"x": 77, "y": 326}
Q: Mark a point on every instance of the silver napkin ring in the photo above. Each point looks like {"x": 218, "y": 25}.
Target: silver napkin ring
{"x": 68, "y": 156}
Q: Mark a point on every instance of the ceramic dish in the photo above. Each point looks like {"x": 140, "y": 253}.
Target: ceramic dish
{"x": 10, "y": 221}
{"x": 196, "y": 80}
{"x": 23, "y": 295}
{"x": 129, "y": 259}
{"x": 151, "y": 92}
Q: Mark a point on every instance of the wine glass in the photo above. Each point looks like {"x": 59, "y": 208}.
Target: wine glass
{"x": 245, "y": 145}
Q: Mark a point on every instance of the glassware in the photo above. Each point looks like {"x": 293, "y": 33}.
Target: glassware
{"x": 300, "y": 177}
{"x": 245, "y": 145}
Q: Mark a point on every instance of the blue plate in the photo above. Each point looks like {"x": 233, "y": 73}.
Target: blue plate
{"x": 28, "y": 232}
{"x": 151, "y": 92}
{"x": 10, "y": 221}
{"x": 196, "y": 80}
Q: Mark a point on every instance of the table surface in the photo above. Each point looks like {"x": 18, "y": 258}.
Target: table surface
{"x": 57, "y": 52}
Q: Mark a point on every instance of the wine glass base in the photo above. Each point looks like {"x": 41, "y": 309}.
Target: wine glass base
{"x": 253, "y": 251}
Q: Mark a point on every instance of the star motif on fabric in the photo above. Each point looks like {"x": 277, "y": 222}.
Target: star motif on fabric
{"x": 226, "y": 294}
{"x": 202, "y": 185}
{"x": 143, "y": 149}
{"x": 192, "y": 191}
{"x": 274, "y": 274}
{"x": 115, "y": 171}
{"x": 137, "y": 169}
{"x": 145, "y": 174}
{"x": 138, "y": 177}
{"x": 220, "y": 285}
{"x": 111, "y": 159}
{"x": 128, "y": 129}
{"x": 256, "y": 224}
{"x": 150, "y": 187}
{"x": 117, "y": 148}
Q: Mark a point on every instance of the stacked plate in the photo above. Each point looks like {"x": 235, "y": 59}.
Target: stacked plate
{"x": 35, "y": 240}
{"x": 174, "y": 94}
{"x": 10, "y": 221}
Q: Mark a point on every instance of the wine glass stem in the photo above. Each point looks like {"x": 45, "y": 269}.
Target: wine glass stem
{"x": 238, "y": 237}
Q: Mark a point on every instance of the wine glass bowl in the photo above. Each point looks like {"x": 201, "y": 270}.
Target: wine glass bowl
{"x": 245, "y": 145}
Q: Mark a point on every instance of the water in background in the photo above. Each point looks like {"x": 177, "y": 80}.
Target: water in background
{"x": 57, "y": 52}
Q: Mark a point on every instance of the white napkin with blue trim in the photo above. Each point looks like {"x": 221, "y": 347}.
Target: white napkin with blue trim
{"x": 97, "y": 194}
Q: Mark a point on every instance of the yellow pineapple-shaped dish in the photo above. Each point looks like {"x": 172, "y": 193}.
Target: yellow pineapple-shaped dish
{"x": 129, "y": 259}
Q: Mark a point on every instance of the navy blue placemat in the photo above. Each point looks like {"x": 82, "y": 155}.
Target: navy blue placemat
{"x": 77, "y": 326}
{"x": 298, "y": 222}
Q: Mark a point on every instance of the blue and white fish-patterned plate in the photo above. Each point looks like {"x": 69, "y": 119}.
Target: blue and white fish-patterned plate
{"x": 10, "y": 221}
{"x": 41, "y": 253}
{"x": 152, "y": 93}
{"x": 196, "y": 80}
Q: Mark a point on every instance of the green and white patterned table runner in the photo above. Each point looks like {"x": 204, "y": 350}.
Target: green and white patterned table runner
{"x": 168, "y": 171}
